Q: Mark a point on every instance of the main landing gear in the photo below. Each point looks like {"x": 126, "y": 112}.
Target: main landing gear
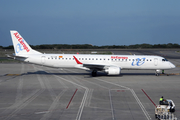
{"x": 94, "y": 73}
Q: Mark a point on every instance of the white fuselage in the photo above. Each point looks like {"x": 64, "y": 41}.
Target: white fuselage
{"x": 122, "y": 61}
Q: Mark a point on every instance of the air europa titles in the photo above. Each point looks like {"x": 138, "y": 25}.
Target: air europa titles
{"x": 20, "y": 39}
{"x": 117, "y": 57}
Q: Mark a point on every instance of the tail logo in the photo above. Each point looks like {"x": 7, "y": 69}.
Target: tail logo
{"x": 19, "y": 48}
{"x": 21, "y": 45}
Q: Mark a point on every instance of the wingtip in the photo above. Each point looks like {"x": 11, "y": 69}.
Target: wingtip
{"x": 77, "y": 61}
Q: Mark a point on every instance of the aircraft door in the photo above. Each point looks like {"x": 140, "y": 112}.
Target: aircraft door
{"x": 43, "y": 60}
{"x": 155, "y": 61}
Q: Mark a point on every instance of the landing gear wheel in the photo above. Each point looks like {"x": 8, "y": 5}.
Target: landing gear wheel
{"x": 157, "y": 72}
{"x": 94, "y": 73}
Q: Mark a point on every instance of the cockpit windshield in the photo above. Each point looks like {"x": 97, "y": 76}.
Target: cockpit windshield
{"x": 164, "y": 60}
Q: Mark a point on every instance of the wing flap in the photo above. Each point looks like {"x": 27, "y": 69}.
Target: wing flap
{"x": 94, "y": 66}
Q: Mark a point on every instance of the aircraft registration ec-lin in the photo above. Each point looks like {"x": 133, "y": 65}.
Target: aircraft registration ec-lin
{"x": 110, "y": 64}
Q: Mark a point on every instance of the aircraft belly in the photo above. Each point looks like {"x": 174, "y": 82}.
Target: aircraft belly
{"x": 65, "y": 64}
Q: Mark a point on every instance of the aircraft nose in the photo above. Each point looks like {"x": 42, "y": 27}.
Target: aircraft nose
{"x": 172, "y": 65}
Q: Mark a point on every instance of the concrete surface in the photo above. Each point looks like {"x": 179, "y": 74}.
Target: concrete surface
{"x": 32, "y": 92}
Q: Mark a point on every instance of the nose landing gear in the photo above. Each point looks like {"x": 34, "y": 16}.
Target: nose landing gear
{"x": 159, "y": 71}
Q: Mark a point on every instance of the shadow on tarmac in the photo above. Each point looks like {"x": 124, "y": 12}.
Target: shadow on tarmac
{"x": 99, "y": 74}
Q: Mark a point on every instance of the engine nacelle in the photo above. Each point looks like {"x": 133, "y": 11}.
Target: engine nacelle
{"x": 113, "y": 70}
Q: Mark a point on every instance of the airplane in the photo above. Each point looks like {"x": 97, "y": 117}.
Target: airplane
{"x": 110, "y": 64}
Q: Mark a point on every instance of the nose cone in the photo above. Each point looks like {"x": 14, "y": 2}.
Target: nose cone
{"x": 172, "y": 65}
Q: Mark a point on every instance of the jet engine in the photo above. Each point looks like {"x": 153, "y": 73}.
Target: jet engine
{"x": 113, "y": 70}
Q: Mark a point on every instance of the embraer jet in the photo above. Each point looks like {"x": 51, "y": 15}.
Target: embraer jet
{"x": 110, "y": 64}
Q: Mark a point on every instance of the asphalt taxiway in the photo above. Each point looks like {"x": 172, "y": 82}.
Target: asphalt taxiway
{"x": 35, "y": 92}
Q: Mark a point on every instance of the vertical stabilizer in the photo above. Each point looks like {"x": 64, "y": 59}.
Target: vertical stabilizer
{"x": 21, "y": 47}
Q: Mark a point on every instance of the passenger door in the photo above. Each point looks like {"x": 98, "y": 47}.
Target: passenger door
{"x": 43, "y": 59}
{"x": 155, "y": 61}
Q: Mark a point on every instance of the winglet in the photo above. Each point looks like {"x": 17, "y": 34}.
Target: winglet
{"x": 77, "y": 61}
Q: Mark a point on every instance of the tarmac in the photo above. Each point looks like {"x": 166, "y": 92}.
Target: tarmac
{"x": 32, "y": 92}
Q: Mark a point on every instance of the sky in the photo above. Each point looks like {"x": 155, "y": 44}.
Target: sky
{"x": 96, "y": 22}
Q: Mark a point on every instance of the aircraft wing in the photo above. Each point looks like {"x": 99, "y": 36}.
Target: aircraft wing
{"x": 92, "y": 66}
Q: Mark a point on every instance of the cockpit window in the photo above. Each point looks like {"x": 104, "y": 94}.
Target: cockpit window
{"x": 164, "y": 60}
